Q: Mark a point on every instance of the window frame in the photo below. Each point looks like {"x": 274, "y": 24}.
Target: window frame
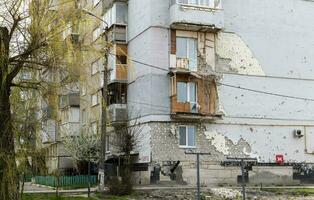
{"x": 187, "y": 50}
{"x": 188, "y": 95}
{"x": 95, "y": 63}
{"x": 96, "y": 33}
{"x": 97, "y": 98}
{"x": 92, "y": 128}
{"x": 187, "y": 136}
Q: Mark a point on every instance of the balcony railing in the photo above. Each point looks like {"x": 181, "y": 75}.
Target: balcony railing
{"x": 118, "y": 113}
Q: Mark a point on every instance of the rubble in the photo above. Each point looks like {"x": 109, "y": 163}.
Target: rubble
{"x": 226, "y": 193}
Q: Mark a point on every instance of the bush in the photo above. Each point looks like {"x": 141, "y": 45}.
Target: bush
{"x": 119, "y": 188}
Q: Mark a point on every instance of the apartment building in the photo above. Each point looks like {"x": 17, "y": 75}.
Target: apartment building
{"x": 230, "y": 78}
{"x": 227, "y": 77}
{"x": 60, "y": 101}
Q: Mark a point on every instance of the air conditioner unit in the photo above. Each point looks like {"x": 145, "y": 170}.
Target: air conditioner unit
{"x": 298, "y": 133}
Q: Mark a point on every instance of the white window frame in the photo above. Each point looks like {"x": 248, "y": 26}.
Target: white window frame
{"x": 93, "y": 98}
{"x": 187, "y": 136}
{"x": 208, "y": 3}
{"x": 188, "y": 56}
{"x": 188, "y": 97}
{"x": 94, "y": 128}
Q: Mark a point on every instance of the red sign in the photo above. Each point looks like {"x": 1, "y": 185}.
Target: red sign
{"x": 280, "y": 159}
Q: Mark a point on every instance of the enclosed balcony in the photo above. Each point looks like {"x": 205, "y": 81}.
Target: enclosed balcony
{"x": 69, "y": 100}
{"x": 196, "y": 14}
{"x": 118, "y": 114}
{"x": 118, "y": 66}
{"x": 193, "y": 96}
{"x": 117, "y": 99}
{"x": 49, "y": 131}
{"x": 117, "y": 14}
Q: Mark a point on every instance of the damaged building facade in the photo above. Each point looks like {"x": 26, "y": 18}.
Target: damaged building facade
{"x": 231, "y": 78}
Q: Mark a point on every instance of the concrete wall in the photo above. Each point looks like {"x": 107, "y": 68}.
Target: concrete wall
{"x": 264, "y": 46}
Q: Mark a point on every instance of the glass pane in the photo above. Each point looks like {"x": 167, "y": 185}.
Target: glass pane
{"x": 191, "y": 136}
{"x": 193, "y": 2}
{"x": 192, "y": 92}
{"x": 181, "y": 92}
{"x": 182, "y": 133}
{"x": 181, "y": 47}
{"x": 193, "y": 54}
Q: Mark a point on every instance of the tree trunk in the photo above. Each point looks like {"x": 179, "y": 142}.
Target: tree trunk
{"x": 8, "y": 171}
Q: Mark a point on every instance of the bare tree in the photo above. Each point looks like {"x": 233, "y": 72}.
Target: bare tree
{"x": 126, "y": 142}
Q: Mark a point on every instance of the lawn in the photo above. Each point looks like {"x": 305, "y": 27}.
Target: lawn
{"x": 53, "y": 197}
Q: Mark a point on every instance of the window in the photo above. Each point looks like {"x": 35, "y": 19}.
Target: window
{"x": 95, "y": 99}
{"x": 84, "y": 116}
{"x": 107, "y": 143}
{"x": 95, "y": 66}
{"x": 26, "y": 75}
{"x": 96, "y": 33}
{"x": 187, "y": 136}
{"x": 187, "y": 92}
{"x": 121, "y": 59}
{"x": 187, "y": 49}
{"x": 83, "y": 90}
{"x": 94, "y": 128}
{"x": 95, "y": 2}
{"x": 207, "y": 3}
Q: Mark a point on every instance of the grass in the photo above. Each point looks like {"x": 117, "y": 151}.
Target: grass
{"x": 298, "y": 191}
{"x": 51, "y": 197}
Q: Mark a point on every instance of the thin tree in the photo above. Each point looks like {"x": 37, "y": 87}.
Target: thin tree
{"x": 30, "y": 38}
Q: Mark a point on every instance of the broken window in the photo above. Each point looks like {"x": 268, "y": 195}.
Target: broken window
{"x": 187, "y": 136}
{"x": 187, "y": 52}
{"x": 117, "y": 93}
{"x": 121, "y": 59}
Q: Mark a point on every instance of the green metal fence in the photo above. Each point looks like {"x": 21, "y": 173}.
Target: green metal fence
{"x": 65, "y": 181}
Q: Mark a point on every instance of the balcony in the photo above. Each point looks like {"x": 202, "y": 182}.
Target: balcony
{"x": 117, "y": 34}
{"x": 117, "y": 14}
{"x": 118, "y": 64}
{"x": 118, "y": 113}
{"x": 193, "y": 16}
{"x": 69, "y": 100}
{"x": 49, "y": 131}
{"x": 193, "y": 97}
